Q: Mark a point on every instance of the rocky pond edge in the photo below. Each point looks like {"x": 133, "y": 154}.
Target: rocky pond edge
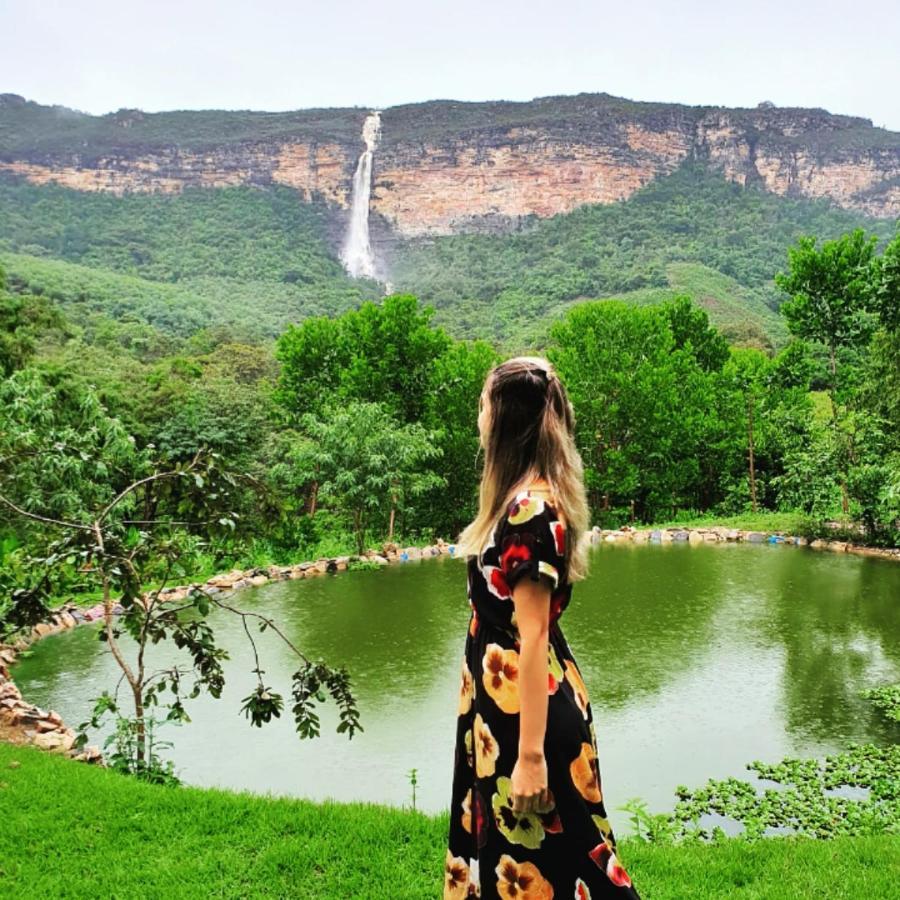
{"x": 25, "y": 722}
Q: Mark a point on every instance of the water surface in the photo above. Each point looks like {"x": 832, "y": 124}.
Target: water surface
{"x": 698, "y": 660}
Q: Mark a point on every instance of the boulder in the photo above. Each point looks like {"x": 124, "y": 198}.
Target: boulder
{"x": 8, "y": 691}
{"x": 51, "y": 740}
{"x": 91, "y": 754}
{"x": 756, "y": 537}
{"x": 695, "y": 537}
{"x": 227, "y": 580}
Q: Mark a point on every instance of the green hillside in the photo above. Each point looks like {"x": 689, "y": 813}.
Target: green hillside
{"x": 254, "y": 259}
{"x": 739, "y": 312}
{"x": 497, "y": 285}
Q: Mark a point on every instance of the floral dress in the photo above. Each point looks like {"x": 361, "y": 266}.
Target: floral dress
{"x": 566, "y": 849}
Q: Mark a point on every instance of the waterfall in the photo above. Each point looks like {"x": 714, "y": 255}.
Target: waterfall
{"x": 357, "y": 255}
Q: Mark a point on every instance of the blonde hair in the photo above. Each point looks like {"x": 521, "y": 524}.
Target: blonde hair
{"x": 530, "y": 435}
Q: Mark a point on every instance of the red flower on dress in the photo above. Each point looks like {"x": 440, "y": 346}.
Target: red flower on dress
{"x": 605, "y": 859}
{"x": 559, "y": 535}
{"x": 557, "y": 600}
{"x": 516, "y": 551}
{"x": 501, "y": 588}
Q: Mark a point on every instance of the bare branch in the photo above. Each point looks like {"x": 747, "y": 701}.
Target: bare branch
{"x": 269, "y": 624}
{"x": 39, "y": 518}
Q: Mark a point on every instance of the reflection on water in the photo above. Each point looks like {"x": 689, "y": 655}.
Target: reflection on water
{"x": 698, "y": 659}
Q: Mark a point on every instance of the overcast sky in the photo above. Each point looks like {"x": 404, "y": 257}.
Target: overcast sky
{"x": 99, "y": 56}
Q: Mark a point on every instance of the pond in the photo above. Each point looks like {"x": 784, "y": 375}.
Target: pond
{"x": 697, "y": 659}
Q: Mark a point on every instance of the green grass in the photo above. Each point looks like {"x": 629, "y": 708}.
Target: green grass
{"x": 788, "y": 522}
{"x": 70, "y": 830}
{"x": 739, "y": 312}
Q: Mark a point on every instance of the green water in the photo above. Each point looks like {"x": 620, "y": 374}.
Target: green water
{"x": 697, "y": 660}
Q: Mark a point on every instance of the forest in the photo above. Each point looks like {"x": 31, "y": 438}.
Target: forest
{"x": 352, "y": 429}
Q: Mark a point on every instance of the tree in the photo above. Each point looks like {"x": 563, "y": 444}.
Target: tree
{"x": 382, "y": 353}
{"x": 691, "y": 331}
{"x": 451, "y": 412}
{"x": 749, "y": 371}
{"x": 99, "y": 530}
{"x": 367, "y": 462}
{"x": 22, "y": 318}
{"x": 646, "y": 419}
{"x": 831, "y": 291}
{"x": 886, "y": 295}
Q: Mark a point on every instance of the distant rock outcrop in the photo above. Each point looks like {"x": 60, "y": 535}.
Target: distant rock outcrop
{"x": 444, "y": 167}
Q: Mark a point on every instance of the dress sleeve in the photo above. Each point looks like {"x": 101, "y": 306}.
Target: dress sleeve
{"x": 530, "y": 542}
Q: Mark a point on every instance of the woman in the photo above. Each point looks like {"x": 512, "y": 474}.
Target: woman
{"x": 527, "y": 818}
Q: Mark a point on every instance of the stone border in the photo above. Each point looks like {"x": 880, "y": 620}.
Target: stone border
{"x": 717, "y": 533}
{"x": 45, "y": 729}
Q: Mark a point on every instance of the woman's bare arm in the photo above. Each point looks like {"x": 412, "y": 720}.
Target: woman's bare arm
{"x": 532, "y": 604}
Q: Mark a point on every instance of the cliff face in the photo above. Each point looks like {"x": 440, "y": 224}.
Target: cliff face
{"x": 446, "y": 167}
{"x": 310, "y": 168}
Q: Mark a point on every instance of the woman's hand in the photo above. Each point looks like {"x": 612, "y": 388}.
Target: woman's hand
{"x": 529, "y": 783}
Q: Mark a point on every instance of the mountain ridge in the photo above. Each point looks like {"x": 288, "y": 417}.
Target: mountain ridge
{"x": 447, "y": 167}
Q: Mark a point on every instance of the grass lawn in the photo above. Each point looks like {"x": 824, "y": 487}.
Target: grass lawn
{"x": 788, "y": 522}
{"x": 71, "y": 830}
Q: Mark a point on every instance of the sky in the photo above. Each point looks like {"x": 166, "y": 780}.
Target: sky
{"x": 99, "y": 56}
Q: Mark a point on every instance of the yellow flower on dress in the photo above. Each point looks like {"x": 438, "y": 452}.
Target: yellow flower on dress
{"x": 521, "y": 881}
{"x": 486, "y": 748}
{"x": 555, "y": 673}
{"x": 525, "y": 828}
{"x": 466, "y": 690}
{"x": 526, "y": 508}
{"x": 585, "y": 775}
{"x": 466, "y": 818}
{"x": 500, "y": 674}
{"x": 602, "y": 823}
{"x": 574, "y": 678}
{"x": 469, "y": 748}
{"x": 456, "y": 877}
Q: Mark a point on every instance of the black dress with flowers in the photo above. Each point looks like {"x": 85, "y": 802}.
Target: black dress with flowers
{"x": 566, "y": 849}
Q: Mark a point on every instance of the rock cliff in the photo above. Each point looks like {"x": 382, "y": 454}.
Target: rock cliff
{"x": 444, "y": 167}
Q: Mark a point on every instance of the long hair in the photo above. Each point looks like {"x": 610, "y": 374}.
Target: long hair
{"x": 530, "y": 435}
